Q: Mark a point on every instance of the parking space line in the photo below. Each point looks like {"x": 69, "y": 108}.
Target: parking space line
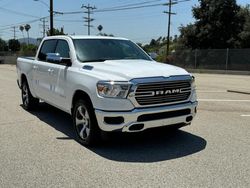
{"x": 222, "y": 100}
{"x": 245, "y": 115}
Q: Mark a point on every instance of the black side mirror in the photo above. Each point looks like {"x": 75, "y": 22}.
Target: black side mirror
{"x": 66, "y": 61}
{"x": 56, "y": 58}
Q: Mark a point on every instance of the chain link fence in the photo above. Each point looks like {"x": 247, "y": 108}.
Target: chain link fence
{"x": 11, "y": 57}
{"x": 214, "y": 59}
{"x": 8, "y": 58}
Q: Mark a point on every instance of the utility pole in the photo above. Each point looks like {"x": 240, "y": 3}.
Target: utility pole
{"x": 170, "y": 13}
{"x": 14, "y": 32}
{"x": 51, "y": 18}
{"x": 169, "y": 22}
{"x": 88, "y": 19}
{"x": 43, "y": 20}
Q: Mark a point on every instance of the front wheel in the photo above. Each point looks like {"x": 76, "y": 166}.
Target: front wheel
{"x": 29, "y": 102}
{"x": 85, "y": 124}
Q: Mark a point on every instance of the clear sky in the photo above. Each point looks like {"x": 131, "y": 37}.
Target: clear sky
{"x": 140, "y": 25}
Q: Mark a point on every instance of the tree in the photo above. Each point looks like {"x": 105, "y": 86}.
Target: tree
{"x": 100, "y": 27}
{"x": 27, "y": 27}
{"x": 217, "y": 25}
{"x": 139, "y": 44}
{"x": 245, "y": 34}
{"x": 21, "y": 29}
{"x": 14, "y": 45}
{"x": 153, "y": 42}
{"x": 188, "y": 37}
{"x": 56, "y": 32}
{"x": 28, "y": 50}
{"x": 3, "y": 45}
{"x": 106, "y": 35}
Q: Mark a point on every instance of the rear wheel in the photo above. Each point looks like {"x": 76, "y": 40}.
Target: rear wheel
{"x": 29, "y": 102}
{"x": 85, "y": 123}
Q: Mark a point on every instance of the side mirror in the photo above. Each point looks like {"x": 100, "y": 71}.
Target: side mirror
{"x": 56, "y": 58}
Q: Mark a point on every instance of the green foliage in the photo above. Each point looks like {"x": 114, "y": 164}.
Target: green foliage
{"x": 159, "y": 46}
{"x": 218, "y": 24}
{"x": 106, "y": 35}
{"x": 28, "y": 50}
{"x": 56, "y": 32}
{"x": 245, "y": 34}
{"x": 14, "y": 45}
{"x": 188, "y": 38}
{"x": 3, "y": 45}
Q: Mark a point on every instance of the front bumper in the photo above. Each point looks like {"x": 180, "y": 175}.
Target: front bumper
{"x": 145, "y": 118}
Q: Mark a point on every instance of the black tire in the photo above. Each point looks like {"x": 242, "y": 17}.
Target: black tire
{"x": 29, "y": 102}
{"x": 85, "y": 124}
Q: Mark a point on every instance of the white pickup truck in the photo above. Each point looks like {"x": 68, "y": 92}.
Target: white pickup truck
{"x": 106, "y": 84}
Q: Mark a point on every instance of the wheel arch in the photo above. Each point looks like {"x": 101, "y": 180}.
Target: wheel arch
{"x": 80, "y": 94}
{"x": 23, "y": 78}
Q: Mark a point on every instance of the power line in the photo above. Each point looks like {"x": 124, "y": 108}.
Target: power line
{"x": 128, "y": 8}
{"x": 4, "y": 27}
{"x": 60, "y": 20}
{"x": 88, "y": 19}
{"x": 134, "y": 4}
{"x": 116, "y": 9}
{"x": 17, "y": 13}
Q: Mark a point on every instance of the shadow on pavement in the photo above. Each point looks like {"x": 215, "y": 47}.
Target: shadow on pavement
{"x": 149, "y": 146}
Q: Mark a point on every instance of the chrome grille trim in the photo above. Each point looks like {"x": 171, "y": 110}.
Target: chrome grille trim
{"x": 144, "y": 94}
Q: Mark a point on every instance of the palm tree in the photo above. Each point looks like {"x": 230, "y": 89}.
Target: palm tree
{"x": 27, "y": 28}
{"x": 21, "y": 29}
{"x": 100, "y": 29}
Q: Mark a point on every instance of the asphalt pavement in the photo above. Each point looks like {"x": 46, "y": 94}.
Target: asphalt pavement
{"x": 38, "y": 149}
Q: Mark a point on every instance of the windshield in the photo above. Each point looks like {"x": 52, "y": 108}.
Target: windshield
{"x": 91, "y": 50}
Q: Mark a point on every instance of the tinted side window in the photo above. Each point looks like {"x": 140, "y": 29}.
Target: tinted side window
{"x": 62, "y": 48}
{"x": 47, "y": 47}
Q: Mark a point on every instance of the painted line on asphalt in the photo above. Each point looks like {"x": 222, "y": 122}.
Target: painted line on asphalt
{"x": 204, "y": 91}
{"x": 245, "y": 115}
{"x": 222, "y": 100}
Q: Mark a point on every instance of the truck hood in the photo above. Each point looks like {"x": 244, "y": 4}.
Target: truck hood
{"x": 125, "y": 70}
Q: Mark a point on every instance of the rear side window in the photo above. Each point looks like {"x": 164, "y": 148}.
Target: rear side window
{"x": 48, "y": 46}
{"x": 62, "y": 48}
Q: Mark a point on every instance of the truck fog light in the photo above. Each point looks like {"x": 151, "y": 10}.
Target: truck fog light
{"x": 114, "y": 120}
{"x": 189, "y": 119}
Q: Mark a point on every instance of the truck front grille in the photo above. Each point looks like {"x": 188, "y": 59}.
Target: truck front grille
{"x": 163, "y": 92}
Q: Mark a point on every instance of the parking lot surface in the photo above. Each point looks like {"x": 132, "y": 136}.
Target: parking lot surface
{"x": 37, "y": 149}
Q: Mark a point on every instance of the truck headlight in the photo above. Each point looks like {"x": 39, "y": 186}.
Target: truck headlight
{"x": 193, "y": 86}
{"x": 113, "y": 89}
{"x": 193, "y": 83}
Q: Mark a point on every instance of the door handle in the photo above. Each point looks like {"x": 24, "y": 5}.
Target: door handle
{"x": 51, "y": 71}
{"x": 35, "y": 67}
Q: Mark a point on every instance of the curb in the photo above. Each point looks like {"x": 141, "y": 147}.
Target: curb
{"x": 209, "y": 71}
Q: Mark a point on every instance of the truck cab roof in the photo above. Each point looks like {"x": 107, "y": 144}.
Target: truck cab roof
{"x": 83, "y": 37}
